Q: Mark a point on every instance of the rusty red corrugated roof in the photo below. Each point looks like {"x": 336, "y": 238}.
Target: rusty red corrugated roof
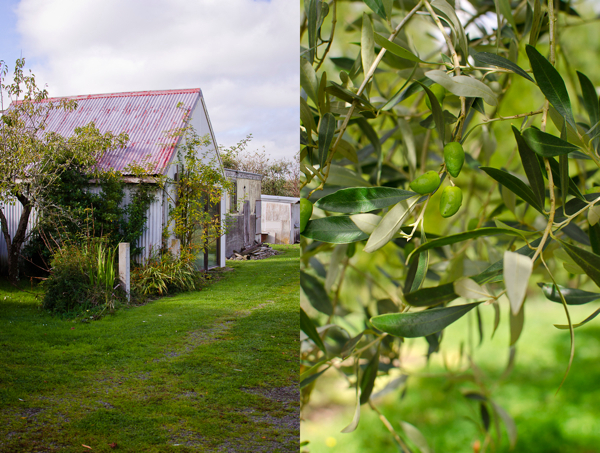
{"x": 146, "y": 116}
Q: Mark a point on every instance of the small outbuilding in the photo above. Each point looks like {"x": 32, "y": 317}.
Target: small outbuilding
{"x": 280, "y": 219}
{"x": 243, "y": 210}
{"x": 146, "y": 117}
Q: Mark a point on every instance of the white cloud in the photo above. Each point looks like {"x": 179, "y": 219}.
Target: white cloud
{"x": 242, "y": 53}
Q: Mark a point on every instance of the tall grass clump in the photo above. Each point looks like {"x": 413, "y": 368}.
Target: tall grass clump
{"x": 82, "y": 276}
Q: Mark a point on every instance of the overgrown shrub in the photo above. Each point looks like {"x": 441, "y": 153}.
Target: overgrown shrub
{"x": 82, "y": 277}
{"x": 164, "y": 273}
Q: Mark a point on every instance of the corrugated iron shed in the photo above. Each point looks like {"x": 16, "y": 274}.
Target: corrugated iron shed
{"x": 146, "y": 116}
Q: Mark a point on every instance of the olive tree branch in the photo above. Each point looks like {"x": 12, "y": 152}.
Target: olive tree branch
{"x": 366, "y": 80}
{"x": 456, "y": 61}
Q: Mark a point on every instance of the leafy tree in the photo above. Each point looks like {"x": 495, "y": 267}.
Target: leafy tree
{"x": 445, "y": 173}
{"x": 198, "y": 186}
{"x": 32, "y": 159}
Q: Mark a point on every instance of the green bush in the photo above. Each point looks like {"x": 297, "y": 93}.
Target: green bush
{"x": 164, "y": 273}
{"x": 82, "y": 276}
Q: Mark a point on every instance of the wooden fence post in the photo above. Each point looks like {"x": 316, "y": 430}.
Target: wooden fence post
{"x": 124, "y": 267}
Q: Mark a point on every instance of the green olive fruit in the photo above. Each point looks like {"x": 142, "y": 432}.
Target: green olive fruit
{"x": 306, "y": 209}
{"x": 440, "y": 94}
{"x": 454, "y": 156}
{"x": 450, "y": 201}
{"x": 426, "y": 183}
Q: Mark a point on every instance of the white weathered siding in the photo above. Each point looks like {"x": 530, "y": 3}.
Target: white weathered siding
{"x": 12, "y": 212}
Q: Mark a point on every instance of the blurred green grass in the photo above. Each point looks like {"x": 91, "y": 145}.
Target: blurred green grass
{"x": 546, "y": 423}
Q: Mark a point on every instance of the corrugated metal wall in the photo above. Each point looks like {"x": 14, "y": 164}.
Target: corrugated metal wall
{"x": 151, "y": 238}
{"x": 12, "y": 212}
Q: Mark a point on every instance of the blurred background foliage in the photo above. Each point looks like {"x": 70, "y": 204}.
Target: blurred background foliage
{"x": 466, "y": 396}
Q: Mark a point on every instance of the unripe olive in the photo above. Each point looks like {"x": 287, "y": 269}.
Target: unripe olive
{"x": 440, "y": 94}
{"x": 426, "y": 183}
{"x": 450, "y": 201}
{"x": 306, "y": 209}
{"x": 454, "y": 156}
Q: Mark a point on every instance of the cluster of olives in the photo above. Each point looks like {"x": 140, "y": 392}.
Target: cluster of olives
{"x": 454, "y": 157}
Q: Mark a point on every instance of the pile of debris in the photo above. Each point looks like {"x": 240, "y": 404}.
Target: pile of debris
{"x": 255, "y": 252}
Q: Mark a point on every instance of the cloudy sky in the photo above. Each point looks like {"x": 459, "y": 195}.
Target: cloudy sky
{"x": 241, "y": 53}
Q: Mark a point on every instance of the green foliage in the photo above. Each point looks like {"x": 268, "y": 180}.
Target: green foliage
{"x": 198, "y": 186}
{"x": 71, "y": 207}
{"x": 33, "y": 161}
{"x": 374, "y": 123}
{"x": 83, "y": 276}
{"x": 163, "y": 273}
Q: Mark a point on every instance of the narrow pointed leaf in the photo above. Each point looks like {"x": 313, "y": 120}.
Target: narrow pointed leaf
{"x": 377, "y": 6}
{"x": 517, "y": 270}
{"x": 342, "y": 176}
{"x": 460, "y": 237}
{"x": 308, "y": 80}
{"x": 416, "y": 273}
{"x": 362, "y": 199}
{"x": 307, "y": 326}
{"x": 573, "y": 189}
{"x": 464, "y": 86}
{"x": 427, "y": 297}
{"x": 594, "y": 235}
{"x": 589, "y": 262}
{"x": 501, "y": 62}
{"x": 516, "y": 324}
{"x": 536, "y": 22}
{"x": 469, "y": 289}
{"x": 449, "y": 13}
{"x": 415, "y": 436}
{"x": 509, "y": 423}
{"x": 515, "y": 185}
{"x": 312, "y": 22}
{"x": 350, "y": 345}
{"x": 594, "y": 214}
{"x": 368, "y": 378}
{"x": 504, "y": 7}
{"x": 307, "y": 117}
{"x": 590, "y": 98}
{"x": 366, "y": 222}
{"x": 496, "y": 306}
{"x": 420, "y": 324}
{"x": 315, "y": 293}
{"x": 346, "y": 95}
{"x": 572, "y": 296}
{"x": 354, "y": 423}
{"x": 551, "y": 84}
{"x": 326, "y": 132}
{"x": 547, "y": 145}
{"x": 311, "y": 378}
{"x": 531, "y": 166}
{"x": 585, "y": 321}
{"x": 563, "y": 166}
{"x": 396, "y": 49}
{"x": 367, "y": 43}
{"x": 437, "y": 113}
{"x": 336, "y": 230}
{"x": 390, "y": 224}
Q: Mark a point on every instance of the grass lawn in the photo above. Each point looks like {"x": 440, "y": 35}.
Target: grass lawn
{"x": 547, "y": 423}
{"x": 212, "y": 370}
